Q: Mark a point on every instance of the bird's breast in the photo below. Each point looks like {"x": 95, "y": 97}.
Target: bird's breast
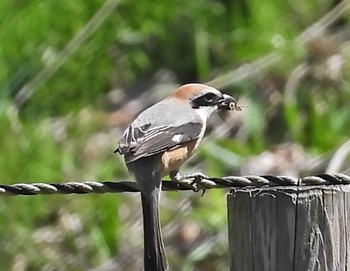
{"x": 173, "y": 159}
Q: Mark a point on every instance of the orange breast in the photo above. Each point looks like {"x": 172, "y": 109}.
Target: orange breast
{"x": 173, "y": 159}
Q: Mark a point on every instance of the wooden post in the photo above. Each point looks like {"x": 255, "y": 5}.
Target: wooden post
{"x": 290, "y": 228}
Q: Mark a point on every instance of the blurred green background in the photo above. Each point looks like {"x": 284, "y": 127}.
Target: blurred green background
{"x": 73, "y": 74}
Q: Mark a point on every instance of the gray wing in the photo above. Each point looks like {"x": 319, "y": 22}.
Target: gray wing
{"x": 145, "y": 141}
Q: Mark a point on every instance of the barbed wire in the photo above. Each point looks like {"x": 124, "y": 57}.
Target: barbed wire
{"x": 31, "y": 189}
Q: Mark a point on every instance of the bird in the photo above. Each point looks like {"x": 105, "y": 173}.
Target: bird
{"x": 157, "y": 143}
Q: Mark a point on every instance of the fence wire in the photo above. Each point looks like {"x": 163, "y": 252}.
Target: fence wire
{"x": 86, "y": 187}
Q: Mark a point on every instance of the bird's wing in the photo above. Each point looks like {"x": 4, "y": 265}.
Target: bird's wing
{"x": 145, "y": 141}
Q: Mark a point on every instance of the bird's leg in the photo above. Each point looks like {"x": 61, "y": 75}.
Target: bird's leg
{"x": 196, "y": 178}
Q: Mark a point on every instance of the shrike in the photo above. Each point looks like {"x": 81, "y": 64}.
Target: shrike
{"x": 157, "y": 143}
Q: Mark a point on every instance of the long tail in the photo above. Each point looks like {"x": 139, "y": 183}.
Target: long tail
{"x": 154, "y": 252}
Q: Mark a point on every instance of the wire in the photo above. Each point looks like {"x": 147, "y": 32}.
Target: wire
{"x": 232, "y": 182}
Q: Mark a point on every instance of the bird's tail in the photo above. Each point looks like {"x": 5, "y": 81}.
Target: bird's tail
{"x": 154, "y": 252}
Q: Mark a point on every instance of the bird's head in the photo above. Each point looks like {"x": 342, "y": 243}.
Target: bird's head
{"x": 205, "y": 98}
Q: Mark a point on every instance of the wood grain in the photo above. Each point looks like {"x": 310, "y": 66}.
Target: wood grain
{"x": 289, "y": 228}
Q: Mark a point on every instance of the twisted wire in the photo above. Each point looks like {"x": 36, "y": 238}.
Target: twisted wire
{"x": 209, "y": 183}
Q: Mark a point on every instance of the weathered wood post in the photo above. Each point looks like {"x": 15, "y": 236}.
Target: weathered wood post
{"x": 290, "y": 228}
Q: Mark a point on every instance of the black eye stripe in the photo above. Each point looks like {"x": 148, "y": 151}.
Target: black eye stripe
{"x": 208, "y": 99}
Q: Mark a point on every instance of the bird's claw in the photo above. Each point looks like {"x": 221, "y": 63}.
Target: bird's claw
{"x": 194, "y": 185}
{"x": 195, "y": 177}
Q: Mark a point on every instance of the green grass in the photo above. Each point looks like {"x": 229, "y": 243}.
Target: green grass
{"x": 61, "y": 135}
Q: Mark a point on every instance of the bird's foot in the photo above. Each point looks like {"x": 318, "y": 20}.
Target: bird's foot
{"x": 195, "y": 178}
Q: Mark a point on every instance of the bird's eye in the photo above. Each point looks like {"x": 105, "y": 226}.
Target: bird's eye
{"x": 208, "y": 97}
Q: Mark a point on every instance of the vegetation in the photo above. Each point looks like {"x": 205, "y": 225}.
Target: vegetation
{"x": 297, "y": 101}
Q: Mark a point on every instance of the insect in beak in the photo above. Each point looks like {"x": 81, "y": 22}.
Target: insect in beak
{"x": 229, "y": 103}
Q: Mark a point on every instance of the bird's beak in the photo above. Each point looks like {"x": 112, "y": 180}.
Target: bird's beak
{"x": 228, "y": 103}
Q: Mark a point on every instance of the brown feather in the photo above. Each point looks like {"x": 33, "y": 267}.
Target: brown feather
{"x": 173, "y": 159}
{"x": 189, "y": 91}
